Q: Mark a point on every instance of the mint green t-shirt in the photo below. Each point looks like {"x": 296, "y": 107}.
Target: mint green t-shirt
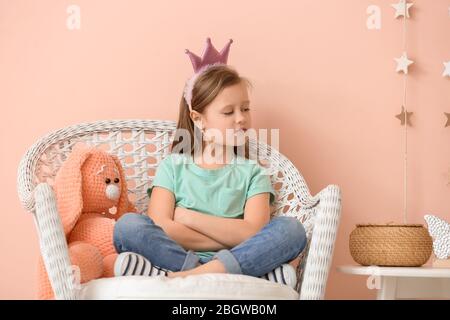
{"x": 220, "y": 192}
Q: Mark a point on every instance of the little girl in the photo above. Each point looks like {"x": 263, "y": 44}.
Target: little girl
{"x": 209, "y": 209}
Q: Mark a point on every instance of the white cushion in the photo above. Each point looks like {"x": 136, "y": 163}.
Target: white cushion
{"x": 203, "y": 286}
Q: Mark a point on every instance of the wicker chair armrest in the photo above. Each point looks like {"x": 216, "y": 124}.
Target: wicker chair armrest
{"x": 53, "y": 244}
{"x": 322, "y": 244}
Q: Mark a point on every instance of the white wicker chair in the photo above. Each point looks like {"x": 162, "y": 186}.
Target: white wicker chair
{"x": 141, "y": 145}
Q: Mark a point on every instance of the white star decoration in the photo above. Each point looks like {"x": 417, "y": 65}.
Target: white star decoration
{"x": 403, "y": 63}
{"x": 401, "y": 8}
{"x": 447, "y": 69}
{"x": 439, "y": 230}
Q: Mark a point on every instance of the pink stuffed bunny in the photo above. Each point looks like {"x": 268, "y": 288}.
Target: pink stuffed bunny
{"x": 89, "y": 183}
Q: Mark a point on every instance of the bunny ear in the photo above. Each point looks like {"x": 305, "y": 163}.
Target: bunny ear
{"x": 68, "y": 183}
{"x": 124, "y": 205}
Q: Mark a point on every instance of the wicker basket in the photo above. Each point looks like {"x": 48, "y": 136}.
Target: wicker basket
{"x": 404, "y": 245}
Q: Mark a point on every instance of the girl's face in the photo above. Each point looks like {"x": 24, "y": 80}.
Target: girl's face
{"x": 227, "y": 117}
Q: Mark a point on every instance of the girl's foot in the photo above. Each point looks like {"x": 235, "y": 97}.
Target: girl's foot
{"x": 133, "y": 264}
{"x": 212, "y": 266}
{"x": 284, "y": 274}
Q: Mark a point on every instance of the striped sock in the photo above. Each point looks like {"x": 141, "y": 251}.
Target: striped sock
{"x": 133, "y": 264}
{"x": 284, "y": 274}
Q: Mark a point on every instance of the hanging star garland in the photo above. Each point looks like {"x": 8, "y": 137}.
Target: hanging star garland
{"x": 403, "y": 63}
{"x": 402, "y": 115}
{"x": 401, "y": 8}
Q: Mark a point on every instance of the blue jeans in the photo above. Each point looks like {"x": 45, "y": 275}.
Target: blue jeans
{"x": 281, "y": 240}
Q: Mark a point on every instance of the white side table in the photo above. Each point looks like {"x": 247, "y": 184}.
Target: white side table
{"x": 405, "y": 282}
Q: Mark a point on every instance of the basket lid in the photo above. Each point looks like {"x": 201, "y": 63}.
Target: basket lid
{"x": 390, "y": 224}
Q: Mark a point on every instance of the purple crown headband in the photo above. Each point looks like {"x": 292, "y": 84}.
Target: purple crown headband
{"x": 210, "y": 58}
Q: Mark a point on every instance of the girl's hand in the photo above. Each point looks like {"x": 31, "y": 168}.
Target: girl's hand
{"x": 181, "y": 215}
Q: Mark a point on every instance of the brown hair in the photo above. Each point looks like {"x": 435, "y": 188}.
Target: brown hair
{"x": 206, "y": 89}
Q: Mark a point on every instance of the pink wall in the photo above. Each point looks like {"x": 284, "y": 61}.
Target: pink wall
{"x": 318, "y": 72}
